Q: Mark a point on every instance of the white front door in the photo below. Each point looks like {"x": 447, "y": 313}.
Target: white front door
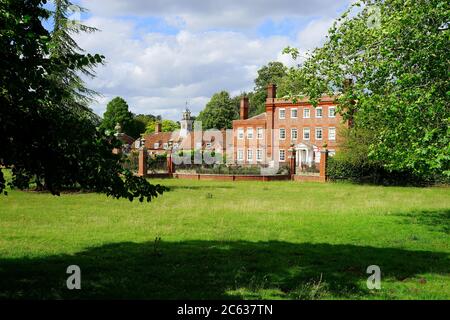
{"x": 301, "y": 157}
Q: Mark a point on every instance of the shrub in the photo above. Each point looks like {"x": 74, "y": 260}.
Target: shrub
{"x": 341, "y": 168}
{"x": 353, "y": 163}
{"x": 284, "y": 170}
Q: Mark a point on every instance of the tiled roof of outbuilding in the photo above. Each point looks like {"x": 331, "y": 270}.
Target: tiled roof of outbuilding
{"x": 160, "y": 138}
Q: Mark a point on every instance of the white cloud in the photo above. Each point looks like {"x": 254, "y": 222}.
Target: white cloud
{"x": 201, "y": 14}
{"x": 313, "y": 35}
{"x": 158, "y": 73}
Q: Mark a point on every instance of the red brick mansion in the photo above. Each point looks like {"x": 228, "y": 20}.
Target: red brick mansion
{"x": 268, "y": 137}
{"x": 265, "y": 139}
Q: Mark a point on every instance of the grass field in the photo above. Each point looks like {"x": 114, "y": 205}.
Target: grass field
{"x": 220, "y": 240}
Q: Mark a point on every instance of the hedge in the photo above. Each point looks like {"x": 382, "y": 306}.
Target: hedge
{"x": 342, "y": 169}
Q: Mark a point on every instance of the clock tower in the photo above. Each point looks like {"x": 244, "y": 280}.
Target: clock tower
{"x": 186, "y": 123}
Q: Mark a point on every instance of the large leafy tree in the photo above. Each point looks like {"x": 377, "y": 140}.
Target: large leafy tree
{"x": 396, "y": 53}
{"x": 219, "y": 112}
{"x": 117, "y": 112}
{"x": 145, "y": 118}
{"x": 43, "y": 135}
{"x": 166, "y": 126}
{"x": 272, "y": 73}
{"x": 140, "y": 123}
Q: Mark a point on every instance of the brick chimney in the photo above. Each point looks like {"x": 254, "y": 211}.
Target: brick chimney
{"x": 158, "y": 127}
{"x": 271, "y": 91}
{"x": 244, "y": 108}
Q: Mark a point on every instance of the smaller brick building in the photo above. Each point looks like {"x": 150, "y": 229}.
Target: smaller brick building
{"x": 185, "y": 139}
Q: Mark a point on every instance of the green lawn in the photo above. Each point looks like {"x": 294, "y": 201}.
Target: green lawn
{"x": 247, "y": 240}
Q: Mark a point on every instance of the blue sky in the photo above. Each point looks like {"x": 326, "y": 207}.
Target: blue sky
{"x": 162, "y": 53}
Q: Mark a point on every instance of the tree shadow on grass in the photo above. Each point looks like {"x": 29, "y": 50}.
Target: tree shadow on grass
{"x": 213, "y": 270}
{"x": 436, "y": 220}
